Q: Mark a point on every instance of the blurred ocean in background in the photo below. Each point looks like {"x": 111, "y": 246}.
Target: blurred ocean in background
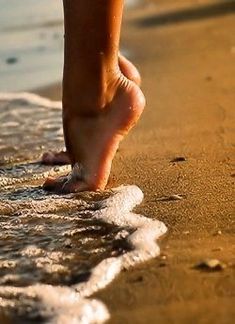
{"x": 31, "y": 38}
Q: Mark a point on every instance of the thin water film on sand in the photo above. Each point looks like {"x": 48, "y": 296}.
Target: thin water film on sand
{"x": 57, "y": 250}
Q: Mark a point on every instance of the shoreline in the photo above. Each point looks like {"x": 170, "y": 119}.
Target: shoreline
{"x": 52, "y": 91}
{"x": 189, "y": 83}
{"x": 32, "y": 37}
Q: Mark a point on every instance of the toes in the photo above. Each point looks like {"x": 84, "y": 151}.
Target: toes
{"x": 47, "y": 158}
{"x": 73, "y": 182}
{"x": 54, "y": 184}
{"x": 71, "y": 186}
{"x": 64, "y": 185}
{"x": 55, "y": 158}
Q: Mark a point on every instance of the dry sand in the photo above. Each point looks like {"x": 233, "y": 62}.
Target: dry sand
{"x": 185, "y": 51}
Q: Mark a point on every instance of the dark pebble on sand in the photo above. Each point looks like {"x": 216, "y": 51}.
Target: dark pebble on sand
{"x": 217, "y": 249}
{"x": 162, "y": 264}
{"x": 178, "y": 159}
{"x": 208, "y": 78}
{"x": 11, "y": 60}
{"x": 210, "y": 265}
{"x": 171, "y": 198}
{"x": 137, "y": 279}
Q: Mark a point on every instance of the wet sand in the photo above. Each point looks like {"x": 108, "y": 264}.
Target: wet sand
{"x": 58, "y": 250}
{"x": 185, "y": 51}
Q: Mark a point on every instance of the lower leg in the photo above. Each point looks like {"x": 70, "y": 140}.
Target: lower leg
{"x": 100, "y": 104}
{"x": 92, "y": 32}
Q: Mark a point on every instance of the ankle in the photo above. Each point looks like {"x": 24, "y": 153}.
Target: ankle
{"x": 89, "y": 95}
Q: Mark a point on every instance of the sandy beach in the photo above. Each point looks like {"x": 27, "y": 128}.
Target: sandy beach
{"x": 181, "y": 155}
{"x": 188, "y": 71}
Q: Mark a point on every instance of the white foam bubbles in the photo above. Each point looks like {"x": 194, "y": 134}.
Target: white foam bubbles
{"x": 70, "y": 305}
{"x": 63, "y": 304}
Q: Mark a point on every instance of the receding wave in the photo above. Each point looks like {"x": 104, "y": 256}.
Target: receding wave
{"x": 58, "y": 250}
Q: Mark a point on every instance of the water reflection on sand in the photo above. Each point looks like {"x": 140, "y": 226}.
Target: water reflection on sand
{"x": 57, "y": 250}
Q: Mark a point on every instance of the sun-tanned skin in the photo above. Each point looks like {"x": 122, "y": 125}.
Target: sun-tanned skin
{"x": 130, "y": 72}
{"x": 102, "y": 100}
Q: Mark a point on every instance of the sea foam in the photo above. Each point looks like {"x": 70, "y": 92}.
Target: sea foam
{"x": 60, "y": 303}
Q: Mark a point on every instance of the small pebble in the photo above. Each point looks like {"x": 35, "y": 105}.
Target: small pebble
{"x": 178, "y": 159}
{"x": 68, "y": 243}
{"x": 138, "y": 279}
{"x": 217, "y": 249}
{"x": 218, "y": 232}
{"x": 115, "y": 253}
{"x": 170, "y": 198}
{"x": 11, "y": 60}
{"x": 208, "y": 78}
{"x": 210, "y": 265}
{"x": 162, "y": 264}
{"x": 163, "y": 257}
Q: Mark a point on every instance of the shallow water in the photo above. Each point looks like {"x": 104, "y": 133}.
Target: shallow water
{"x": 26, "y": 128}
{"x": 57, "y": 250}
{"x": 32, "y": 34}
{"x": 31, "y": 38}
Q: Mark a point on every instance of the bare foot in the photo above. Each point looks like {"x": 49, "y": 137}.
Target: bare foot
{"x": 93, "y": 139}
{"x": 55, "y": 158}
{"x": 61, "y": 158}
